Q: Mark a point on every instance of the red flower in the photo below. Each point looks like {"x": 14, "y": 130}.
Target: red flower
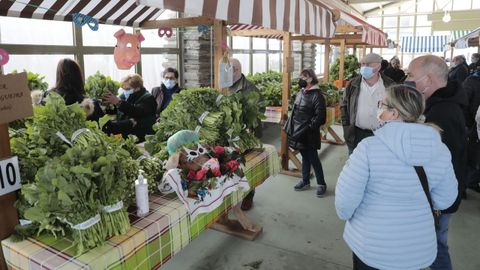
{"x": 218, "y": 150}
{"x": 233, "y": 165}
{"x": 191, "y": 175}
{"x": 201, "y": 174}
{"x": 216, "y": 172}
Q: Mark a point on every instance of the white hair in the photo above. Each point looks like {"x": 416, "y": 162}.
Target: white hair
{"x": 434, "y": 66}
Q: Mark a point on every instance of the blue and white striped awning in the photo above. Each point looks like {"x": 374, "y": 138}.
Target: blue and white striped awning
{"x": 425, "y": 44}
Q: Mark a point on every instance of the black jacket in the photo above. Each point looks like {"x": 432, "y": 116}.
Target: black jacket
{"x": 159, "y": 94}
{"x": 445, "y": 108}
{"x": 140, "y": 106}
{"x": 396, "y": 74}
{"x": 309, "y": 113}
{"x": 458, "y": 73}
{"x": 71, "y": 98}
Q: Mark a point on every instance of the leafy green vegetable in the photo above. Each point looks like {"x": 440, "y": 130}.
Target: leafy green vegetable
{"x": 35, "y": 80}
{"x": 98, "y": 85}
{"x": 352, "y": 67}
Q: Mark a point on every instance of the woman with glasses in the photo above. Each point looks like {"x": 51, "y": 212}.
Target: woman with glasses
{"x": 379, "y": 193}
{"x": 303, "y": 129}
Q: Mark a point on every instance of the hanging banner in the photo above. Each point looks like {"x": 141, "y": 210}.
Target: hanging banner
{"x": 9, "y": 175}
{"x": 15, "y": 99}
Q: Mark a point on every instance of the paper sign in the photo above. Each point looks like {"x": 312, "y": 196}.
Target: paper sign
{"x": 9, "y": 175}
{"x": 15, "y": 99}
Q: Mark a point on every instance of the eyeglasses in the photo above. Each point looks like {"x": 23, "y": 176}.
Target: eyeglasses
{"x": 380, "y": 104}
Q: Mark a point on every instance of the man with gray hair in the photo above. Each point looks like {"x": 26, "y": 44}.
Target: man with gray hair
{"x": 445, "y": 101}
{"x": 360, "y": 101}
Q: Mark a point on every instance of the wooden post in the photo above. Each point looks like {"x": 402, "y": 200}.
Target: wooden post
{"x": 451, "y": 56}
{"x": 8, "y": 212}
{"x": 341, "y": 73}
{"x": 326, "y": 61}
{"x": 364, "y": 51}
{"x": 286, "y": 84}
{"x": 219, "y": 39}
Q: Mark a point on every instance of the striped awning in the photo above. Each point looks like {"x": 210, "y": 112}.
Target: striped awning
{"x": 424, "y": 44}
{"x": 305, "y": 17}
{"x": 454, "y": 35}
{"x": 466, "y": 40}
{"x": 119, "y": 12}
{"x": 370, "y": 34}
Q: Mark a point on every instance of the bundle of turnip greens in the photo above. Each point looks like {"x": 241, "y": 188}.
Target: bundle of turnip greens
{"x": 220, "y": 120}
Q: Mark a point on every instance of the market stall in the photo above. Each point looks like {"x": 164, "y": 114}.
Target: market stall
{"x": 472, "y": 39}
{"x": 260, "y": 164}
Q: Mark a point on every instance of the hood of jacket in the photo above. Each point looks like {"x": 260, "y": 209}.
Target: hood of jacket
{"x": 415, "y": 144}
{"x": 452, "y": 93}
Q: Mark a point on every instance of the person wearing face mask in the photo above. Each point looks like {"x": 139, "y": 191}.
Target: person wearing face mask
{"x": 163, "y": 94}
{"x": 474, "y": 61}
{"x": 459, "y": 70}
{"x": 445, "y": 102}
{"x": 303, "y": 129}
{"x": 379, "y": 193}
{"x": 244, "y": 86}
{"x": 135, "y": 109}
{"x": 360, "y": 100}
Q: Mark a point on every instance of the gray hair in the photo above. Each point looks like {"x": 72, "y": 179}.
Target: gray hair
{"x": 407, "y": 100}
{"x": 236, "y": 64}
{"x": 434, "y": 66}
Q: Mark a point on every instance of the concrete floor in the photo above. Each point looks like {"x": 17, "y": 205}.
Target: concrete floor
{"x": 303, "y": 232}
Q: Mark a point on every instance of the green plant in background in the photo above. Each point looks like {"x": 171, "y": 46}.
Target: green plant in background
{"x": 351, "y": 68}
{"x": 35, "y": 80}
{"x": 331, "y": 93}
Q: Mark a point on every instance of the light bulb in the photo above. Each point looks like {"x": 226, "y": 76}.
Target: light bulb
{"x": 446, "y": 18}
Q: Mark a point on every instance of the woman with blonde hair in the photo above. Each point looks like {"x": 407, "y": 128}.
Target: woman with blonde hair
{"x": 387, "y": 188}
{"x": 135, "y": 109}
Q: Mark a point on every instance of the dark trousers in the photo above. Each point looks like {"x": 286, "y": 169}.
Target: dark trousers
{"x": 360, "y": 134}
{"x": 309, "y": 159}
{"x": 359, "y": 265}
{"x": 250, "y": 195}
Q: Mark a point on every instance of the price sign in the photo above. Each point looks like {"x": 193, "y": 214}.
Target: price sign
{"x": 15, "y": 99}
{"x": 9, "y": 175}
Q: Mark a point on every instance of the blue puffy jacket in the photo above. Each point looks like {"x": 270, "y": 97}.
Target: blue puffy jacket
{"x": 389, "y": 221}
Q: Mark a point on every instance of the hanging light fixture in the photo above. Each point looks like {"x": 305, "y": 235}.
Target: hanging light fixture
{"x": 446, "y": 17}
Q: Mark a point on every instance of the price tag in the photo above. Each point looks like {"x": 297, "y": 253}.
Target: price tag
{"x": 9, "y": 175}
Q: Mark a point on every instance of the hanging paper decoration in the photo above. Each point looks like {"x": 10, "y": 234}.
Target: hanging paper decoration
{"x": 81, "y": 19}
{"x": 127, "y": 50}
{"x": 202, "y": 28}
{"x": 165, "y": 31}
{"x": 4, "y": 57}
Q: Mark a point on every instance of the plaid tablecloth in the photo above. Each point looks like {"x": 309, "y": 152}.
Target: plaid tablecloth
{"x": 152, "y": 240}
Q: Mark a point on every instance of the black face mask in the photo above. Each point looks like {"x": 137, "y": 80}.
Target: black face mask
{"x": 302, "y": 83}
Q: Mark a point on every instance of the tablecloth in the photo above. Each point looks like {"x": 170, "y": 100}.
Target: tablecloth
{"x": 151, "y": 241}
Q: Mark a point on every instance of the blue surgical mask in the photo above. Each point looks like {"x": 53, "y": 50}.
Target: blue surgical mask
{"x": 169, "y": 84}
{"x": 127, "y": 93}
{"x": 367, "y": 72}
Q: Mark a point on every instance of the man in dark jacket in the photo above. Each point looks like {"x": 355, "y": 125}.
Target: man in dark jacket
{"x": 360, "y": 100}
{"x": 475, "y": 59}
{"x": 242, "y": 85}
{"x": 445, "y": 101}
{"x": 394, "y": 71}
{"x": 472, "y": 87}
{"x": 163, "y": 94}
{"x": 136, "y": 109}
{"x": 459, "y": 71}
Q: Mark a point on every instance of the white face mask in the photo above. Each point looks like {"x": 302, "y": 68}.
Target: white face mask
{"x": 379, "y": 114}
{"x": 127, "y": 93}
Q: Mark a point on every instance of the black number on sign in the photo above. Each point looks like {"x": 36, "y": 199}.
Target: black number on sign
{"x": 1, "y": 178}
{"x": 11, "y": 180}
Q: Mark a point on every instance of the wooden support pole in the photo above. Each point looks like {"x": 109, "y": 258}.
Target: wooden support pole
{"x": 219, "y": 39}
{"x": 286, "y": 84}
{"x": 341, "y": 72}
{"x": 364, "y": 51}
{"x": 326, "y": 61}
{"x": 8, "y": 212}
{"x": 451, "y": 56}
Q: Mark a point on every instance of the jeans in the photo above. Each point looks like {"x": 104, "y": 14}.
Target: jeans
{"x": 360, "y": 134}
{"x": 359, "y": 265}
{"x": 443, "y": 260}
{"x": 309, "y": 159}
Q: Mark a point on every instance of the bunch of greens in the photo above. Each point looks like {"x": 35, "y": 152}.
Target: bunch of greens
{"x": 98, "y": 85}
{"x": 331, "y": 93}
{"x": 352, "y": 67}
{"x": 153, "y": 169}
{"x": 35, "y": 80}
{"x": 212, "y": 127}
{"x": 270, "y": 86}
{"x": 64, "y": 193}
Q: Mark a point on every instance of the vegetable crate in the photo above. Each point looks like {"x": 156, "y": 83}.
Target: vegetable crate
{"x": 273, "y": 114}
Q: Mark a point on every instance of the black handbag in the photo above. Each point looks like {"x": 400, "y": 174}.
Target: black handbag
{"x": 423, "y": 180}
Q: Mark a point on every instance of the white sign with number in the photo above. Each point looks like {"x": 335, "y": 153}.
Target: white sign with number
{"x": 9, "y": 175}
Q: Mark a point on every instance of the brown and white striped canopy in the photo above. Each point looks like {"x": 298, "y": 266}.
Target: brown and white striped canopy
{"x": 307, "y": 17}
{"x": 118, "y": 12}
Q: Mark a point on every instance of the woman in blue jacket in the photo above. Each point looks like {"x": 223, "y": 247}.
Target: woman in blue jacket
{"x": 389, "y": 221}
